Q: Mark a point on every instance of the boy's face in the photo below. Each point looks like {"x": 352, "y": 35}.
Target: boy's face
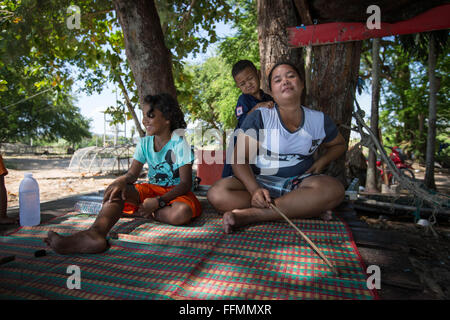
{"x": 248, "y": 81}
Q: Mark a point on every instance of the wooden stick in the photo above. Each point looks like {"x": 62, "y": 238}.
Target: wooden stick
{"x": 318, "y": 251}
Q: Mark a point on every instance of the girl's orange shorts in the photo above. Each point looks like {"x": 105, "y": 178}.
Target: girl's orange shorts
{"x": 147, "y": 190}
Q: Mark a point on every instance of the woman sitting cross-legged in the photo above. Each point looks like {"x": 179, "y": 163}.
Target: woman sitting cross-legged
{"x": 166, "y": 198}
{"x": 282, "y": 143}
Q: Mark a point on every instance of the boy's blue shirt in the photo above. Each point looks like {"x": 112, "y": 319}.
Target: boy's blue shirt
{"x": 163, "y": 166}
{"x": 245, "y": 103}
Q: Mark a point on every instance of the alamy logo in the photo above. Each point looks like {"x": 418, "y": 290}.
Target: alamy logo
{"x": 74, "y": 281}
{"x": 374, "y": 21}
{"x": 374, "y": 280}
{"x": 73, "y": 21}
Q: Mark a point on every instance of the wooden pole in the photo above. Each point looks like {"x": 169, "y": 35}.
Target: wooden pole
{"x": 431, "y": 136}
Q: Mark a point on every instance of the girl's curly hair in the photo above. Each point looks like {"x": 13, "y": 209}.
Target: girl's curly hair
{"x": 169, "y": 107}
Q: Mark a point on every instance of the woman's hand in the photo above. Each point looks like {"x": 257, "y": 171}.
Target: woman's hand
{"x": 147, "y": 208}
{"x": 261, "y": 198}
{"x": 317, "y": 166}
{"x": 116, "y": 190}
{"x": 335, "y": 149}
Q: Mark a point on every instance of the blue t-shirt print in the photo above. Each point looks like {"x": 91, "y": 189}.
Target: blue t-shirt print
{"x": 164, "y": 173}
{"x": 163, "y": 166}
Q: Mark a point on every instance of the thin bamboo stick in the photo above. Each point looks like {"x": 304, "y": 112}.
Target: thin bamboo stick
{"x": 304, "y": 236}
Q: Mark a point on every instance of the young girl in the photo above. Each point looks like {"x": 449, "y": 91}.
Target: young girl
{"x": 166, "y": 198}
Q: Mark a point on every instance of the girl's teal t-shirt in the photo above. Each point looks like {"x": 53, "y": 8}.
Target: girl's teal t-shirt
{"x": 163, "y": 166}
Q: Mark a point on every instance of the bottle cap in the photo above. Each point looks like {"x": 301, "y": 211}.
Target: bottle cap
{"x": 28, "y": 174}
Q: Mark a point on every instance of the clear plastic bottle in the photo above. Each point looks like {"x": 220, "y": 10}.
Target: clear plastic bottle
{"x": 277, "y": 186}
{"x": 88, "y": 207}
{"x": 29, "y": 201}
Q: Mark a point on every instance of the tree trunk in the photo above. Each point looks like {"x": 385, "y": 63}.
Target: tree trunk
{"x": 147, "y": 54}
{"x": 335, "y": 67}
{"x": 431, "y": 139}
{"x": 305, "y": 16}
{"x": 421, "y": 145}
{"x": 273, "y": 19}
{"x": 371, "y": 179}
{"x": 335, "y": 73}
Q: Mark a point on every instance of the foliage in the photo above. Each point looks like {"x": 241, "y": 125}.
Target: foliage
{"x": 35, "y": 36}
{"x": 405, "y": 95}
{"x": 214, "y": 94}
{"x": 184, "y": 24}
{"x": 416, "y": 45}
{"x": 208, "y": 90}
{"x": 37, "y": 51}
{"x": 49, "y": 115}
{"x": 244, "y": 43}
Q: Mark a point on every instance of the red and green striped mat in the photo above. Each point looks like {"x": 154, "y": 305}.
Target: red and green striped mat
{"x": 150, "y": 260}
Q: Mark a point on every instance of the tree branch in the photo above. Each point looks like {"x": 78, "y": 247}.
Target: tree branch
{"x": 130, "y": 106}
{"x": 303, "y": 10}
{"x": 186, "y": 16}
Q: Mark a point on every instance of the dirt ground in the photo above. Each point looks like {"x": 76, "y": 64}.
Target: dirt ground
{"x": 54, "y": 179}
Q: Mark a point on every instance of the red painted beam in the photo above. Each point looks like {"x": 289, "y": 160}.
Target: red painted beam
{"x": 434, "y": 19}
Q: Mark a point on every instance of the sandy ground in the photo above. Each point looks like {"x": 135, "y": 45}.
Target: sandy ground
{"x": 441, "y": 177}
{"x": 54, "y": 179}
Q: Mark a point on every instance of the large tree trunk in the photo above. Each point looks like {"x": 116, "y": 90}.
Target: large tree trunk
{"x": 431, "y": 139}
{"x": 371, "y": 178}
{"x": 335, "y": 67}
{"x": 273, "y": 19}
{"x": 147, "y": 54}
{"x": 335, "y": 73}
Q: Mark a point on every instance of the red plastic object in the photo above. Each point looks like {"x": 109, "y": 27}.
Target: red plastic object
{"x": 327, "y": 33}
{"x": 209, "y": 165}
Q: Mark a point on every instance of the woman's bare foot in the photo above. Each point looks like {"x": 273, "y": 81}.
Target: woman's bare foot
{"x": 81, "y": 242}
{"x": 327, "y": 215}
{"x": 228, "y": 221}
{"x": 239, "y": 217}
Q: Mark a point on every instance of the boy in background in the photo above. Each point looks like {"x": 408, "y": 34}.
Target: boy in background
{"x": 246, "y": 77}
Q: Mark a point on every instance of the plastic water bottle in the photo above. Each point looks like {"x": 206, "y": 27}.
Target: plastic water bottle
{"x": 277, "y": 186}
{"x": 29, "y": 202}
{"x": 88, "y": 207}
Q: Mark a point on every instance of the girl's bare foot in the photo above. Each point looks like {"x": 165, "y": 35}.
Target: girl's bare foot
{"x": 81, "y": 242}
